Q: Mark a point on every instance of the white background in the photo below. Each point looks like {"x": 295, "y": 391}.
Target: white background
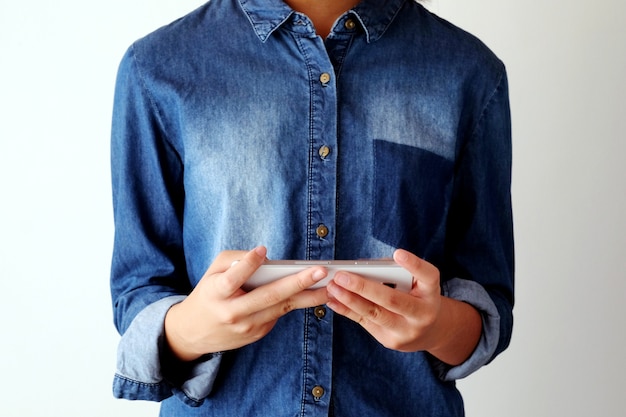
{"x": 567, "y": 73}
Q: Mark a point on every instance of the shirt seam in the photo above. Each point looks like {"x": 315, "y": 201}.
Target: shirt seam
{"x": 309, "y": 216}
{"x": 145, "y": 90}
{"x": 488, "y": 102}
{"x": 140, "y": 383}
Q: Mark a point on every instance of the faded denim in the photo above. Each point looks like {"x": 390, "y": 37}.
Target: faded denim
{"x": 227, "y": 135}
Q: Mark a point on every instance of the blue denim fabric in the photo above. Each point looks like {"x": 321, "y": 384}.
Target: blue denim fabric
{"x": 219, "y": 119}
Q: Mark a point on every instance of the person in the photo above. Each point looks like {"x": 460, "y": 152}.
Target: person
{"x": 311, "y": 130}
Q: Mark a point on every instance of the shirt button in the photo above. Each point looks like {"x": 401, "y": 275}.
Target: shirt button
{"x": 320, "y": 312}
{"x": 322, "y": 231}
{"x": 324, "y": 78}
{"x": 349, "y": 24}
{"x": 324, "y": 151}
{"x": 317, "y": 391}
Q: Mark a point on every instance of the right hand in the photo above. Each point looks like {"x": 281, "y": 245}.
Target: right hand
{"x": 218, "y": 315}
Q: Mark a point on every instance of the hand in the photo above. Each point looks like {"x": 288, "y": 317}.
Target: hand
{"x": 218, "y": 315}
{"x": 421, "y": 320}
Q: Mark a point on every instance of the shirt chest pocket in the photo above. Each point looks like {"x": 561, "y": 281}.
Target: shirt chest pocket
{"x": 411, "y": 194}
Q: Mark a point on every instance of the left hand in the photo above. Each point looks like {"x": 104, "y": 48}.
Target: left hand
{"x": 422, "y": 319}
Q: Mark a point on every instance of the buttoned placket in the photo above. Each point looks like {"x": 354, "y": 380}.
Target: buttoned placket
{"x": 322, "y": 141}
{"x": 323, "y": 146}
{"x": 323, "y": 60}
{"x": 321, "y": 216}
{"x": 318, "y": 362}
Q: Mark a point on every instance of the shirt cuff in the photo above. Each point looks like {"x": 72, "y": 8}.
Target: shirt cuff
{"x": 144, "y": 363}
{"x": 474, "y": 294}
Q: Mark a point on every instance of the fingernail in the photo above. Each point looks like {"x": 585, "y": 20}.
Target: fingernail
{"x": 341, "y": 279}
{"x": 319, "y": 274}
{"x": 332, "y": 290}
{"x": 261, "y": 251}
{"x": 401, "y": 256}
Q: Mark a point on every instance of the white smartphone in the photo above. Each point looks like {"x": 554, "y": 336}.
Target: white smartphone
{"x": 386, "y": 272}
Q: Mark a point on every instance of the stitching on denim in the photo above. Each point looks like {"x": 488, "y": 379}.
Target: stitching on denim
{"x": 307, "y": 61}
{"x": 498, "y": 87}
{"x": 305, "y": 366}
{"x": 145, "y": 90}
{"x": 134, "y": 381}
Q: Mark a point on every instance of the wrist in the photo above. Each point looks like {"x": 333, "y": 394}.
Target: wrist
{"x": 458, "y": 331}
{"x": 174, "y": 328}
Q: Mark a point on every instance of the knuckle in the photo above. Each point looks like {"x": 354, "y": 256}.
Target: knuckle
{"x": 243, "y": 328}
{"x": 261, "y": 331}
{"x": 392, "y": 344}
{"x": 394, "y": 300}
{"x": 399, "y": 340}
{"x": 271, "y": 298}
{"x": 359, "y": 285}
{"x": 229, "y": 318}
{"x": 398, "y": 345}
{"x": 363, "y": 321}
{"x": 375, "y": 313}
{"x": 304, "y": 279}
{"x": 287, "y": 306}
{"x": 302, "y": 283}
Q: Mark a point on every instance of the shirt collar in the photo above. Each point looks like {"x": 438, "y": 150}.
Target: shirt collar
{"x": 267, "y": 15}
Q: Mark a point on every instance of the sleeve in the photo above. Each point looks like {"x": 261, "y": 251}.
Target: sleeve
{"x": 474, "y": 294}
{"x": 148, "y": 270}
{"x": 479, "y": 266}
{"x": 146, "y": 372}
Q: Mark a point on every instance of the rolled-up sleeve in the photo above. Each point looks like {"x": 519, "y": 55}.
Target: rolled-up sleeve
{"x": 474, "y": 294}
{"x": 479, "y": 266}
{"x": 148, "y": 271}
{"x": 145, "y": 369}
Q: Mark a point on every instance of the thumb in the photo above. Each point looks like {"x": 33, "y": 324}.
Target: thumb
{"x": 232, "y": 269}
{"x": 425, "y": 275}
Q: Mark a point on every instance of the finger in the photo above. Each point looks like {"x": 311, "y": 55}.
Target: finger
{"x": 284, "y": 289}
{"x": 425, "y": 275}
{"x": 233, "y": 277}
{"x": 365, "y": 301}
{"x": 368, "y": 315}
{"x": 366, "y": 297}
{"x": 224, "y": 261}
{"x": 303, "y": 299}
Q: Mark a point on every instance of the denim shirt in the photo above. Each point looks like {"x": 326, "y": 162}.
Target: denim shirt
{"x": 237, "y": 126}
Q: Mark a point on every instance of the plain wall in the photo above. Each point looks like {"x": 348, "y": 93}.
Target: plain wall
{"x": 567, "y": 74}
